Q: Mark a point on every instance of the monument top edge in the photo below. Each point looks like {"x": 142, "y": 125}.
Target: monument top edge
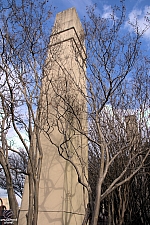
{"x": 68, "y": 18}
{"x": 67, "y": 10}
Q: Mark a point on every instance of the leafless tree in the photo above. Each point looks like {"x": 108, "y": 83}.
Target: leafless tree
{"x": 4, "y": 149}
{"x": 112, "y": 94}
{"x": 18, "y": 168}
{"x": 138, "y": 206}
{"x": 115, "y": 65}
{"x": 24, "y": 42}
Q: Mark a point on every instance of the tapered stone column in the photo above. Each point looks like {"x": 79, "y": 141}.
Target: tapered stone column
{"x": 62, "y": 200}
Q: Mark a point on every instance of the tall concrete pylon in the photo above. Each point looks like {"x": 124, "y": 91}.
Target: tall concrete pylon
{"x": 62, "y": 199}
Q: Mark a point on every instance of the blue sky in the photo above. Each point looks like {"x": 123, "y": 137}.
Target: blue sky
{"x": 80, "y": 5}
{"x": 3, "y": 193}
{"x": 133, "y": 8}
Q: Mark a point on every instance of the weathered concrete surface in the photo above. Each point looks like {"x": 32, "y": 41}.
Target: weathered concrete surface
{"x": 62, "y": 200}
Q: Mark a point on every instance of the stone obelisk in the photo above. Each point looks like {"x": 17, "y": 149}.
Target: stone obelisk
{"x": 62, "y": 200}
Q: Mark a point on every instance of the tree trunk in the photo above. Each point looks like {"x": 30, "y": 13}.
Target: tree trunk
{"x": 10, "y": 191}
{"x": 98, "y": 190}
